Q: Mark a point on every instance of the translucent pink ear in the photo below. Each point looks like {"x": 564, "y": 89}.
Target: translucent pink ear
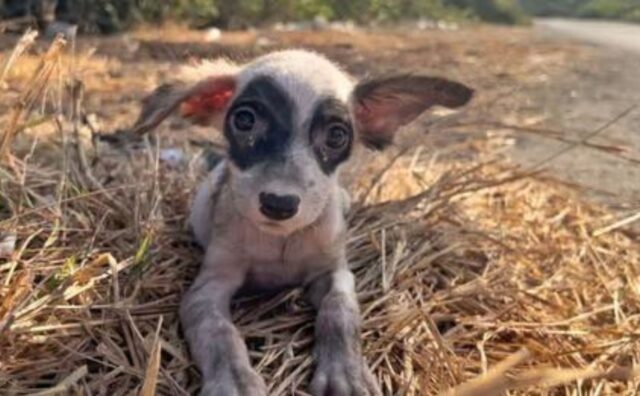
{"x": 209, "y": 100}
{"x": 384, "y": 104}
{"x": 201, "y": 103}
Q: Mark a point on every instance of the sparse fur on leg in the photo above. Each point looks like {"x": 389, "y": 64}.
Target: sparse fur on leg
{"x": 216, "y": 345}
{"x": 204, "y": 203}
{"x": 341, "y": 369}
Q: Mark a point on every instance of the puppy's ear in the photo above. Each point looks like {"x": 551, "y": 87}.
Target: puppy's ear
{"x": 384, "y": 104}
{"x": 203, "y": 102}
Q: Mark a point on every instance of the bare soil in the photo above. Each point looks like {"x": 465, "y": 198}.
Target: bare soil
{"x": 599, "y": 95}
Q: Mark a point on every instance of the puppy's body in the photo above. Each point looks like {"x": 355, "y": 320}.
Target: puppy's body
{"x": 271, "y": 215}
{"x": 271, "y": 261}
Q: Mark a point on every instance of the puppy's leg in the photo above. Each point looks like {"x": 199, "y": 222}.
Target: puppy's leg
{"x": 340, "y": 367}
{"x": 204, "y": 203}
{"x": 216, "y": 345}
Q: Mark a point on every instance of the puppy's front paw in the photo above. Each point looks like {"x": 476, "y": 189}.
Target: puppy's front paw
{"x": 235, "y": 381}
{"x": 348, "y": 376}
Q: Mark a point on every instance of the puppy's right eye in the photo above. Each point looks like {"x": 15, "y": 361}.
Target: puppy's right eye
{"x": 244, "y": 119}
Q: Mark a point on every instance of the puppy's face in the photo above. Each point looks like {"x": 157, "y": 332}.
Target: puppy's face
{"x": 289, "y": 129}
{"x": 291, "y": 119}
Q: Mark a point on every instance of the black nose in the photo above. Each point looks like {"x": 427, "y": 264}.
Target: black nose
{"x": 279, "y": 207}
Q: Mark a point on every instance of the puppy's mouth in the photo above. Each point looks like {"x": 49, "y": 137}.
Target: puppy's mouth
{"x": 275, "y": 228}
{"x": 271, "y": 224}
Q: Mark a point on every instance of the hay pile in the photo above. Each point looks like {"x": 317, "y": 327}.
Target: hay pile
{"x": 474, "y": 278}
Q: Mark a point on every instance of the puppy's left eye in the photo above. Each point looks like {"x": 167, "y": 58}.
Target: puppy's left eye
{"x": 244, "y": 119}
{"x": 337, "y": 137}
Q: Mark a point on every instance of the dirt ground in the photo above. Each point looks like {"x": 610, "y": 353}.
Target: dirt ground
{"x": 603, "y": 91}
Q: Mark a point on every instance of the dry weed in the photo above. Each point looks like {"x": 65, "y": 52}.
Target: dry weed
{"x": 474, "y": 278}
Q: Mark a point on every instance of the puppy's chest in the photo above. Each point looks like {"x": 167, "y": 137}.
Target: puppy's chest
{"x": 275, "y": 262}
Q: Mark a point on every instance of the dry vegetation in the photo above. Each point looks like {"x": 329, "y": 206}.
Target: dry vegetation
{"x": 475, "y": 277}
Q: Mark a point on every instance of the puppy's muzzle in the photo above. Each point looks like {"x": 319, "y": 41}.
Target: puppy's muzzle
{"x": 279, "y": 207}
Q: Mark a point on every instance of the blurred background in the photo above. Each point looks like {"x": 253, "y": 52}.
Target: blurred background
{"x": 108, "y": 16}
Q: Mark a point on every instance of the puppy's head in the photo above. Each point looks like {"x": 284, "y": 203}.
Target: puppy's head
{"x": 291, "y": 119}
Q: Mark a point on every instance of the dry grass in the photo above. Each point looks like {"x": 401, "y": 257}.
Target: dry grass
{"x": 475, "y": 279}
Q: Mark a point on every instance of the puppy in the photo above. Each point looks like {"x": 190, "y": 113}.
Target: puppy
{"x": 271, "y": 215}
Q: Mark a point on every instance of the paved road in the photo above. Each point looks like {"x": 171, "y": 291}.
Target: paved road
{"x": 611, "y": 34}
{"x": 588, "y": 95}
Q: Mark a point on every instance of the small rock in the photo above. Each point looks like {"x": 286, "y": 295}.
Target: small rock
{"x": 424, "y": 24}
{"x": 296, "y": 26}
{"x": 343, "y": 26}
{"x": 292, "y": 26}
{"x": 67, "y": 30}
{"x": 264, "y": 42}
{"x": 447, "y": 26}
{"x": 7, "y": 244}
{"x": 319, "y": 23}
{"x": 173, "y": 157}
{"x": 213, "y": 34}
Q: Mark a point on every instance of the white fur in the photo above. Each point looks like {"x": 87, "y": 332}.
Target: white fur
{"x": 306, "y": 76}
{"x": 343, "y": 282}
{"x": 207, "y": 69}
{"x": 201, "y": 214}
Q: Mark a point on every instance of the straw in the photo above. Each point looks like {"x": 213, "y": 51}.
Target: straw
{"x": 475, "y": 278}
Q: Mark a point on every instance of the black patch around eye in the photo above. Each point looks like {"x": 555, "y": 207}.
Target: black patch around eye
{"x": 329, "y": 112}
{"x": 275, "y": 108}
